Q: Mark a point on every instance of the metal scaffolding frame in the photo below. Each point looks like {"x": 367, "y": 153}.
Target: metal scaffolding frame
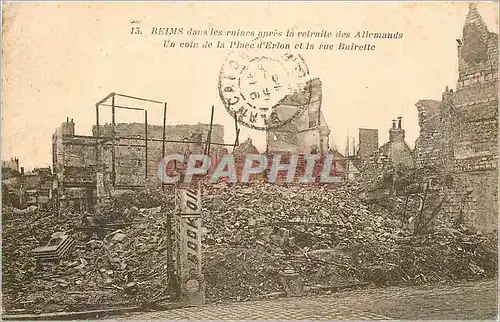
{"x": 101, "y": 139}
{"x": 113, "y": 130}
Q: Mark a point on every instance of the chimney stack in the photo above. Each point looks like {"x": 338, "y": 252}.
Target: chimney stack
{"x": 396, "y": 133}
{"x": 447, "y": 95}
{"x": 68, "y": 128}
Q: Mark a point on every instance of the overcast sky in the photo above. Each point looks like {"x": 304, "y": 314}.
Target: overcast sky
{"x": 61, "y": 58}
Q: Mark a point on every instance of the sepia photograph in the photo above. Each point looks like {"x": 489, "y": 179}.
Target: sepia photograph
{"x": 248, "y": 160}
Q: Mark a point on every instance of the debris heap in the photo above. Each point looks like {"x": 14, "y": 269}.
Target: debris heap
{"x": 331, "y": 237}
{"x": 252, "y": 233}
{"x": 116, "y": 261}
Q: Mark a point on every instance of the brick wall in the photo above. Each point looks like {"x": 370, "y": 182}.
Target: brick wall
{"x": 430, "y": 146}
{"x": 172, "y": 132}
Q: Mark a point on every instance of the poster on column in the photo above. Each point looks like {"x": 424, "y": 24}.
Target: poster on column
{"x": 188, "y": 201}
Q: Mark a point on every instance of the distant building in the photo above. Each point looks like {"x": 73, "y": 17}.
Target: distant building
{"x": 13, "y": 190}
{"x": 12, "y": 164}
{"x": 22, "y": 189}
{"x": 38, "y": 187}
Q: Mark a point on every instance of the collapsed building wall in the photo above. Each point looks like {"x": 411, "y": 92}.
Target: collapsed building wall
{"x": 460, "y": 133}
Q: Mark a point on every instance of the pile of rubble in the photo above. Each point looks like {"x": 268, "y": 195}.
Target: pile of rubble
{"x": 320, "y": 216}
{"x": 252, "y": 233}
{"x": 112, "y": 264}
{"x": 331, "y": 237}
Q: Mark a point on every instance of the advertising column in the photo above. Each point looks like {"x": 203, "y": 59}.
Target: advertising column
{"x": 188, "y": 257}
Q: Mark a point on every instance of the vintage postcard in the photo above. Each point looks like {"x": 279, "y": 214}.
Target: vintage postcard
{"x": 249, "y": 160}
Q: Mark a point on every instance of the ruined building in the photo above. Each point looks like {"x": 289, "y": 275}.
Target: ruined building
{"x": 74, "y": 162}
{"x": 306, "y": 134}
{"x": 125, "y": 162}
{"x": 38, "y": 187}
{"x": 23, "y": 189}
{"x": 460, "y": 133}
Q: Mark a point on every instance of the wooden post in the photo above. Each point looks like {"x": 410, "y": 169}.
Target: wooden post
{"x": 209, "y": 137}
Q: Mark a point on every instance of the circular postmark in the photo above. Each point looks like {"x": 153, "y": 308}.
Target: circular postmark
{"x": 257, "y": 86}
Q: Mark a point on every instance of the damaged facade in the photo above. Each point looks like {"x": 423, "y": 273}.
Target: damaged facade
{"x": 38, "y": 185}
{"x": 12, "y": 164}
{"x": 306, "y": 134}
{"x": 131, "y": 154}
